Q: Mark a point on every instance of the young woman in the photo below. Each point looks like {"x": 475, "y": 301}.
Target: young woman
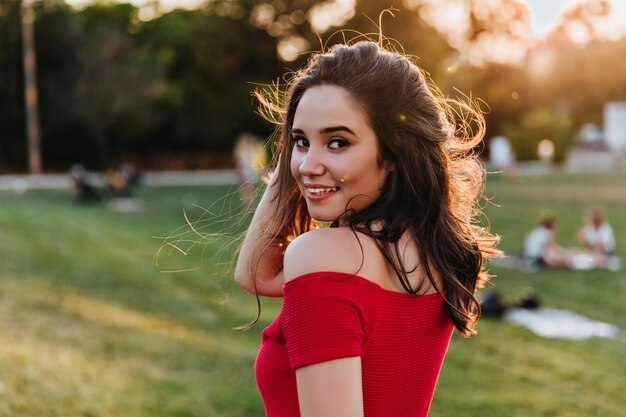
{"x": 596, "y": 234}
{"x": 370, "y": 302}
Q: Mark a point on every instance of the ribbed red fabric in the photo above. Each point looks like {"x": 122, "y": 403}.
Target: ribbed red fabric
{"x": 401, "y": 338}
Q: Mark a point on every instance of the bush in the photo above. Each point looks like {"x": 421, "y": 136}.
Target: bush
{"x": 535, "y": 126}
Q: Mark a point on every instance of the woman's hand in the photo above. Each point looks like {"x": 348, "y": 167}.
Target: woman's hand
{"x": 268, "y": 278}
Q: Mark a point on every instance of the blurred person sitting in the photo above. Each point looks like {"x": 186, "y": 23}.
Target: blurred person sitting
{"x": 87, "y": 193}
{"x": 115, "y": 184}
{"x": 131, "y": 175}
{"x": 541, "y": 250}
{"x": 596, "y": 234}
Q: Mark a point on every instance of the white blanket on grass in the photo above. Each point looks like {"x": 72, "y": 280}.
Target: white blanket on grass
{"x": 561, "y": 324}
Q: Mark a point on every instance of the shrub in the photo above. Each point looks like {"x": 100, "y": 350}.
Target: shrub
{"x": 535, "y": 126}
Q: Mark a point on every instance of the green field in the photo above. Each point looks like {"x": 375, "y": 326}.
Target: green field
{"x": 91, "y": 326}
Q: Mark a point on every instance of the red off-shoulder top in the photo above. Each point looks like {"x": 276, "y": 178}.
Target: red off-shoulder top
{"x": 401, "y": 338}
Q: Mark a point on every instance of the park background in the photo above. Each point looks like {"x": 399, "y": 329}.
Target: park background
{"x": 93, "y": 323}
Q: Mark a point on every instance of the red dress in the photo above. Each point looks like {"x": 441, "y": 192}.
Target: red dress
{"x": 401, "y": 338}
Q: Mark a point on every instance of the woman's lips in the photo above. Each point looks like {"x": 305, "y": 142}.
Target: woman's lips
{"x": 317, "y": 193}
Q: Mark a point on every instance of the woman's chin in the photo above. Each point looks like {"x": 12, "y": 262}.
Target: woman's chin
{"x": 323, "y": 219}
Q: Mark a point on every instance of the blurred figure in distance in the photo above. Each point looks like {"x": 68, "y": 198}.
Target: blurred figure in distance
{"x": 541, "y": 250}
{"x": 250, "y": 160}
{"x": 597, "y": 234}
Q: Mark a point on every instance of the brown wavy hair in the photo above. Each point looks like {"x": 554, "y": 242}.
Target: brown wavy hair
{"x": 437, "y": 181}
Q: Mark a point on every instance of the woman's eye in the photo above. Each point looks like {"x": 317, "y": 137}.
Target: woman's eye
{"x": 337, "y": 143}
{"x": 301, "y": 142}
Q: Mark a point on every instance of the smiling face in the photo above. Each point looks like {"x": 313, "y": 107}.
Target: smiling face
{"x": 335, "y": 153}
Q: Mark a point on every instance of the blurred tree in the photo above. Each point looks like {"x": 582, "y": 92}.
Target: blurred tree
{"x": 118, "y": 77}
{"x": 585, "y": 77}
{"x": 12, "y": 122}
{"x": 560, "y": 73}
{"x": 491, "y": 21}
{"x": 65, "y": 134}
{"x": 213, "y": 62}
{"x": 581, "y": 22}
{"x": 304, "y": 25}
{"x": 407, "y": 26}
{"x": 482, "y": 30}
{"x": 504, "y": 89}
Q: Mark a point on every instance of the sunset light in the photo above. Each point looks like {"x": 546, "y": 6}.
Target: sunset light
{"x": 543, "y": 14}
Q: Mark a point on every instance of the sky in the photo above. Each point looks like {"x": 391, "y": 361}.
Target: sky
{"x": 545, "y": 12}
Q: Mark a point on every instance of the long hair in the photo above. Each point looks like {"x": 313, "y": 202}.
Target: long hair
{"x": 433, "y": 191}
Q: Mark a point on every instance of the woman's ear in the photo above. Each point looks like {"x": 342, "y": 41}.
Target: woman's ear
{"x": 389, "y": 166}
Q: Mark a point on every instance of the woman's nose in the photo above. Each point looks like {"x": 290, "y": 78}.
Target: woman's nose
{"x": 312, "y": 163}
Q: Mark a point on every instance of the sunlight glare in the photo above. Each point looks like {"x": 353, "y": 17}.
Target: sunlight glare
{"x": 323, "y": 16}
{"x": 450, "y": 18}
{"x": 289, "y": 49}
{"x": 541, "y": 61}
{"x": 164, "y": 5}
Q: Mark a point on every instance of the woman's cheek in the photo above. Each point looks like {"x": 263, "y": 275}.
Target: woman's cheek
{"x": 295, "y": 166}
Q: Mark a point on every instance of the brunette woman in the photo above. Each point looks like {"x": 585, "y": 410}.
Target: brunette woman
{"x": 371, "y": 301}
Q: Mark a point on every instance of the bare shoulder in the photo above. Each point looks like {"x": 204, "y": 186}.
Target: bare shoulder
{"x": 335, "y": 249}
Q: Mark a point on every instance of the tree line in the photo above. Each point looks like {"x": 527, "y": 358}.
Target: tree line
{"x": 113, "y": 85}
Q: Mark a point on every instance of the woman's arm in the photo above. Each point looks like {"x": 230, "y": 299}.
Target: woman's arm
{"x": 330, "y": 389}
{"x": 269, "y": 272}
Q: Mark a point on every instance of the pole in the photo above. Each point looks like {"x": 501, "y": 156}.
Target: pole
{"x": 30, "y": 89}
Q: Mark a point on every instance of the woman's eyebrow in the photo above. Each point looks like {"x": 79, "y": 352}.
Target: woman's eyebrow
{"x": 333, "y": 129}
{"x": 326, "y": 130}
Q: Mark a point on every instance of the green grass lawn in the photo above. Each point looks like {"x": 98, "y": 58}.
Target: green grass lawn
{"x": 91, "y": 326}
